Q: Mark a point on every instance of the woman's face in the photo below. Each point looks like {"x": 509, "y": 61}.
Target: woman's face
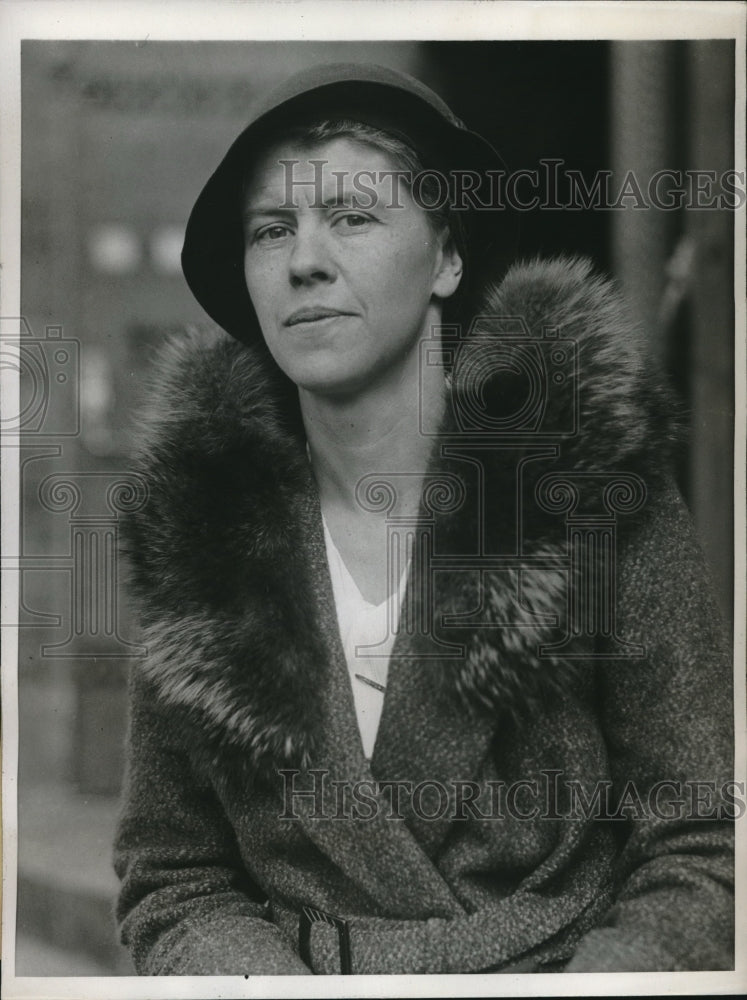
{"x": 343, "y": 268}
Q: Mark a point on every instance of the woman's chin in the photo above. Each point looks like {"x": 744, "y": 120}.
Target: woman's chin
{"x": 332, "y": 383}
{"x": 329, "y": 373}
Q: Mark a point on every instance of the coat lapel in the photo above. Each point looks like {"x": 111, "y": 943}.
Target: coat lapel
{"x": 381, "y": 856}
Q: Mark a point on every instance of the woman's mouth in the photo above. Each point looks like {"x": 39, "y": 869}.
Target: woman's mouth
{"x": 313, "y": 314}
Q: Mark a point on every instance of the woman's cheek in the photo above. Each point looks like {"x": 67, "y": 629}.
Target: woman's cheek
{"x": 262, "y": 277}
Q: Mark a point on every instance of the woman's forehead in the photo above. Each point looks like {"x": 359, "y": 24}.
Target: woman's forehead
{"x": 337, "y": 169}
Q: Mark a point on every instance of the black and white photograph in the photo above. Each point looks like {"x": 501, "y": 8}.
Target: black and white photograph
{"x": 373, "y": 433}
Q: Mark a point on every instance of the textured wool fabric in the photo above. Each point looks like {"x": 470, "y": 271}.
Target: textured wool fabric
{"x": 243, "y": 732}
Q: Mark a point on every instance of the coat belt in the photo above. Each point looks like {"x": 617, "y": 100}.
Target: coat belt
{"x": 331, "y": 944}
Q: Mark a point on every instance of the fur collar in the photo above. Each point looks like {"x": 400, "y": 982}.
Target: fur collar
{"x": 224, "y": 592}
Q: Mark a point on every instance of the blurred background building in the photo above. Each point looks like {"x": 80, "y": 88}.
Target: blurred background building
{"x": 118, "y": 138}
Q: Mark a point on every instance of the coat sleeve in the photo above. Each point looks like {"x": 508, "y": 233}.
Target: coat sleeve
{"x": 668, "y": 722}
{"x": 186, "y": 905}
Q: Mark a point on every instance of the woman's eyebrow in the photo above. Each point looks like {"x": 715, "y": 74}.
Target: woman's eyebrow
{"x": 252, "y": 212}
{"x": 350, "y": 199}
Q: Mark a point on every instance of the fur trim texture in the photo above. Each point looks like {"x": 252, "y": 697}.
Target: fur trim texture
{"x": 224, "y": 592}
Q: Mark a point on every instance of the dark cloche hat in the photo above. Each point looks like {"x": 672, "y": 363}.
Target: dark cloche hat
{"x": 213, "y": 252}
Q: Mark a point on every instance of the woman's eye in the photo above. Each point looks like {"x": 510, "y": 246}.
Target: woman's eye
{"x": 270, "y": 234}
{"x": 353, "y": 220}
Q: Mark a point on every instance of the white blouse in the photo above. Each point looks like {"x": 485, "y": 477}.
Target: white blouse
{"x": 367, "y": 632}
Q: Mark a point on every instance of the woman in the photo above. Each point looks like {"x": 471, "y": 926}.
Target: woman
{"x": 419, "y": 697}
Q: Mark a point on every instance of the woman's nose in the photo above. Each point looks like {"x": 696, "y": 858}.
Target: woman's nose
{"x": 311, "y": 258}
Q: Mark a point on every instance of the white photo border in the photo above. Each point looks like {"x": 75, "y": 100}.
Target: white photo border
{"x": 343, "y": 20}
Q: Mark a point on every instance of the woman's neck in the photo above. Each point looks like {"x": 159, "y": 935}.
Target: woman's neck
{"x": 376, "y": 431}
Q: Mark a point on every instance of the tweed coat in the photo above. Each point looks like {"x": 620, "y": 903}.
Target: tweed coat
{"x": 507, "y": 710}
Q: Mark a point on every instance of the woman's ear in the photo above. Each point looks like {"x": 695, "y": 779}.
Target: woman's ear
{"x": 450, "y": 269}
